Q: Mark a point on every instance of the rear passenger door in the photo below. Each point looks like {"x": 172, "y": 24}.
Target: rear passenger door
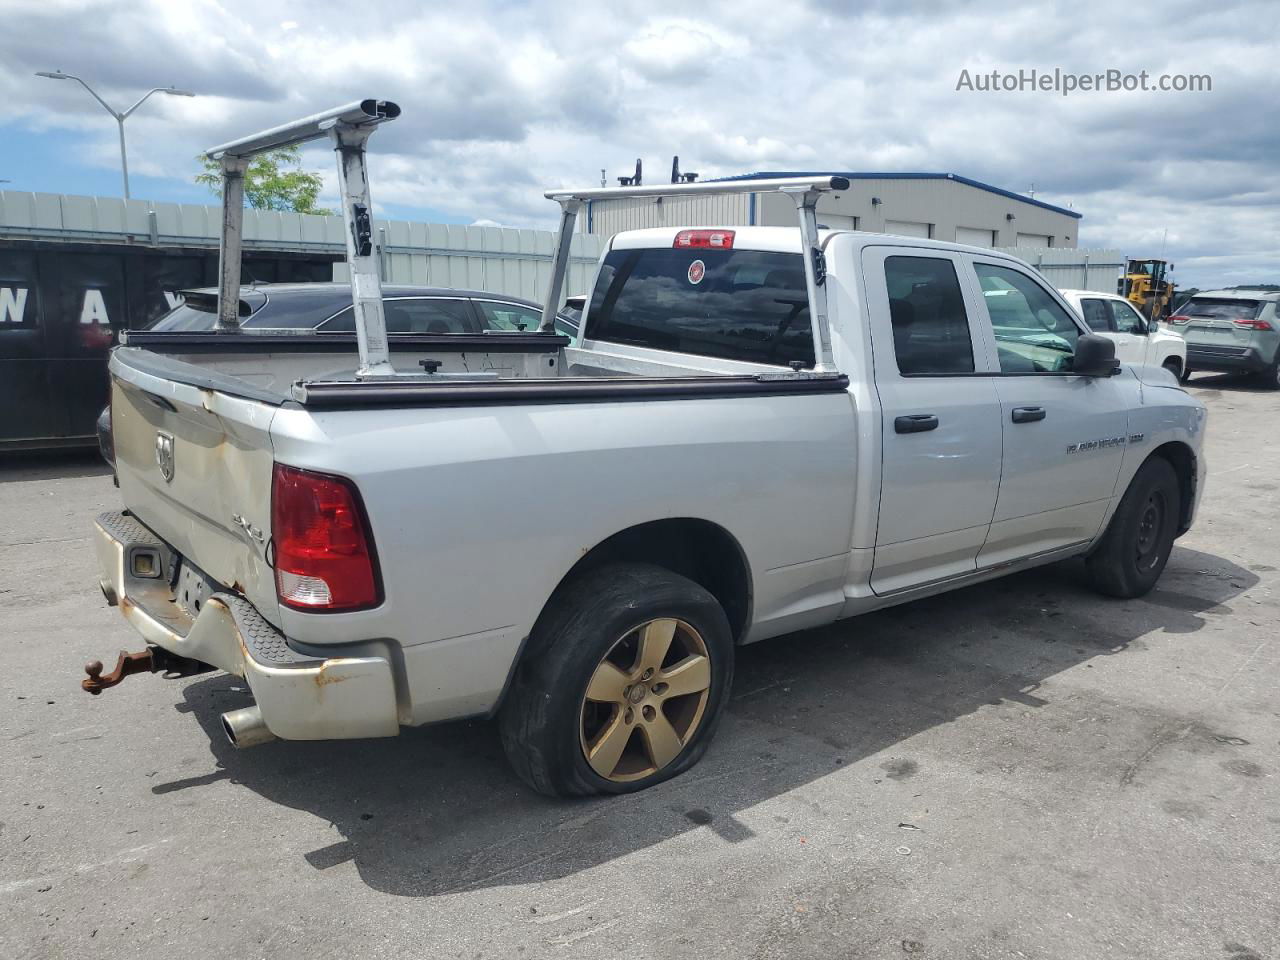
{"x": 940, "y": 417}
{"x": 1064, "y": 434}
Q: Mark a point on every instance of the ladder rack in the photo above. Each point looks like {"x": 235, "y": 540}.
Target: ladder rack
{"x": 349, "y": 128}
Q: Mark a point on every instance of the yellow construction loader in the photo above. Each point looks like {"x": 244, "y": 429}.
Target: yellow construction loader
{"x": 1148, "y": 285}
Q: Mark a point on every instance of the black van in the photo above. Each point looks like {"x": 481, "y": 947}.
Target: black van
{"x": 62, "y": 306}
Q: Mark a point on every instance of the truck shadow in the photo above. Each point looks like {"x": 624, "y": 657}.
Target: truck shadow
{"x": 66, "y": 464}
{"x": 1233, "y": 382}
{"x": 437, "y": 810}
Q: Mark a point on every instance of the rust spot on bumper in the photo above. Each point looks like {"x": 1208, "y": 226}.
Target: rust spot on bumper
{"x": 324, "y": 677}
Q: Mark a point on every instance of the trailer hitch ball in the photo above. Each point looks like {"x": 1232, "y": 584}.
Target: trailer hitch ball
{"x": 126, "y": 665}
{"x": 150, "y": 660}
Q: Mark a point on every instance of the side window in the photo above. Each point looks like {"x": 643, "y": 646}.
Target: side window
{"x": 1127, "y": 319}
{"x": 343, "y": 322}
{"x": 423, "y": 315}
{"x": 429, "y": 316}
{"x": 1096, "y": 315}
{"x": 1033, "y": 333}
{"x": 508, "y": 316}
{"x": 926, "y": 310}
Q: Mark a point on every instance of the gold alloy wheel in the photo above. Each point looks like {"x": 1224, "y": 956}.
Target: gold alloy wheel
{"x": 645, "y": 700}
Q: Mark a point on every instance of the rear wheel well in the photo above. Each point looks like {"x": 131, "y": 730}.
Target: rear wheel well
{"x": 1183, "y": 460}
{"x": 704, "y": 552}
{"x": 1174, "y": 364}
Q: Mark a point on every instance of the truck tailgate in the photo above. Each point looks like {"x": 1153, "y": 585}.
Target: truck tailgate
{"x": 195, "y": 467}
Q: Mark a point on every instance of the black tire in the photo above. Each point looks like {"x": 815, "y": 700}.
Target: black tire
{"x": 1133, "y": 552}
{"x": 541, "y": 720}
{"x": 1174, "y": 367}
{"x": 1271, "y": 376}
{"x": 1185, "y": 375}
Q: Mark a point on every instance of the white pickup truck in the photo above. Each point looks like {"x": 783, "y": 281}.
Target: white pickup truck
{"x": 754, "y": 434}
{"x": 1137, "y": 339}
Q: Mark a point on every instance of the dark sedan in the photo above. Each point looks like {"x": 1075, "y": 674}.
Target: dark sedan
{"x": 326, "y": 308}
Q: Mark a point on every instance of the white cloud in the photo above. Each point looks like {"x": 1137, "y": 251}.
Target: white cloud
{"x": 681, "y": 50}
{"x": 502, "y": 100}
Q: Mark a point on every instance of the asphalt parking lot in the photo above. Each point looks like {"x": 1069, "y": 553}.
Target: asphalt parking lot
{"x": 1019, "y": 769}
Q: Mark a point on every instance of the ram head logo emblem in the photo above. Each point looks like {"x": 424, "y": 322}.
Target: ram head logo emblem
{"x": 164, "y": 455}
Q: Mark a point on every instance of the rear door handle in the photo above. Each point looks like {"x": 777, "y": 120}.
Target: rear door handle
{"x": 1027, "y": 414}
{"x": 916, "y": 423}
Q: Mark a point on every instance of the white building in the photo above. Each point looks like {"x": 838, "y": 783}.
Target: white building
{"x": 939, "y": 206}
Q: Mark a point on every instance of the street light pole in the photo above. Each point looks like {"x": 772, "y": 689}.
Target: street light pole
{"x": 120, "y": 117}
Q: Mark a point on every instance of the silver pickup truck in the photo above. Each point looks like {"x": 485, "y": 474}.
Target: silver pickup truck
{"x": 576, "y": 543}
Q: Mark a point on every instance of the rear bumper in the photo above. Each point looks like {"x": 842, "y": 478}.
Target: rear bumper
{"x": 1226, "y": 358}
{"x": 301, "y": 697}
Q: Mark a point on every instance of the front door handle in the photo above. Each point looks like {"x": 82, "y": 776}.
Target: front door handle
{"x": 1027, "y": 414}
{"x": 916, "y": 423}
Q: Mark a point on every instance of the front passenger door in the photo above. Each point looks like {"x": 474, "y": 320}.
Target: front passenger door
{"x": 1064, "y": 434}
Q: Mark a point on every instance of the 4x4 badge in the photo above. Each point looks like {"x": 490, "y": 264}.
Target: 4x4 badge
{"x": 164, "y": 455}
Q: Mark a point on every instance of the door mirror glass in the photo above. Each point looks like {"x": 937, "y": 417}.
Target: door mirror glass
{"x": 1095, "y": 356}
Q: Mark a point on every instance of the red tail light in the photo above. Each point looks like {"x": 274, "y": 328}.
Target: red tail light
{"x": 1252, "y": 324}
{"x": 1179, "y": 318}
{"x": 323, "y": 549}
{"x": 713, "y": 239}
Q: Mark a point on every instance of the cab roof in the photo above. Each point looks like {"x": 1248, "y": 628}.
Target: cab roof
{"x": 787, "y": 240}
{"x": 1240, "y": 294}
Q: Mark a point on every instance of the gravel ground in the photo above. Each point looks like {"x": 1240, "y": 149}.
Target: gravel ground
{"x": 1019, "y": 769}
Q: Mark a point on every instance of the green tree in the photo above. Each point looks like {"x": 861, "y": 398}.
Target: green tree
{"x": 270, "y": 184}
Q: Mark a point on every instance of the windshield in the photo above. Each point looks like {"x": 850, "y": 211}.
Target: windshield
{"x": 185, "y": 317}
{"x": 747, "y": 305}
{"x": 199, "y": 312}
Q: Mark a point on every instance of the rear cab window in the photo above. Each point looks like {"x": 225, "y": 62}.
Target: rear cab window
{"x": 745, "y": 305}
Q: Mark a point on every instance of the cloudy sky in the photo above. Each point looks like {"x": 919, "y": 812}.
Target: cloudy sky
{"x": 504, "y": 99}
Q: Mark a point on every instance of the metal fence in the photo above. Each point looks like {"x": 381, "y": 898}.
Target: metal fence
{"x": 1071, "y": 268}
{"x": 496, "y": 259}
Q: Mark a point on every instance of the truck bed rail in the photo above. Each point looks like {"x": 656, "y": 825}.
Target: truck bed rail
{"x": 343, "y": 394}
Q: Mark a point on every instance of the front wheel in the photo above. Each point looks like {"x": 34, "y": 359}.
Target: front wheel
{"x": 1133, "y": 552}
{"x": 626, "y": 676}
{"x": 1174, "y": 367}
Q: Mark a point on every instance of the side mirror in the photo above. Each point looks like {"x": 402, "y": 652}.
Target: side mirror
{"x": 1095, "y": 357}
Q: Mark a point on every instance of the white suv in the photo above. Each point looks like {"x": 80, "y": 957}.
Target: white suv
{"x": 1137, "y": 340}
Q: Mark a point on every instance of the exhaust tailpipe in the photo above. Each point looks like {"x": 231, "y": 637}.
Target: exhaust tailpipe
{"x": 245, "y": 728}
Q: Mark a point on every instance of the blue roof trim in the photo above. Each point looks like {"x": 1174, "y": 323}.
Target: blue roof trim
{"x": 777, "y": 175}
